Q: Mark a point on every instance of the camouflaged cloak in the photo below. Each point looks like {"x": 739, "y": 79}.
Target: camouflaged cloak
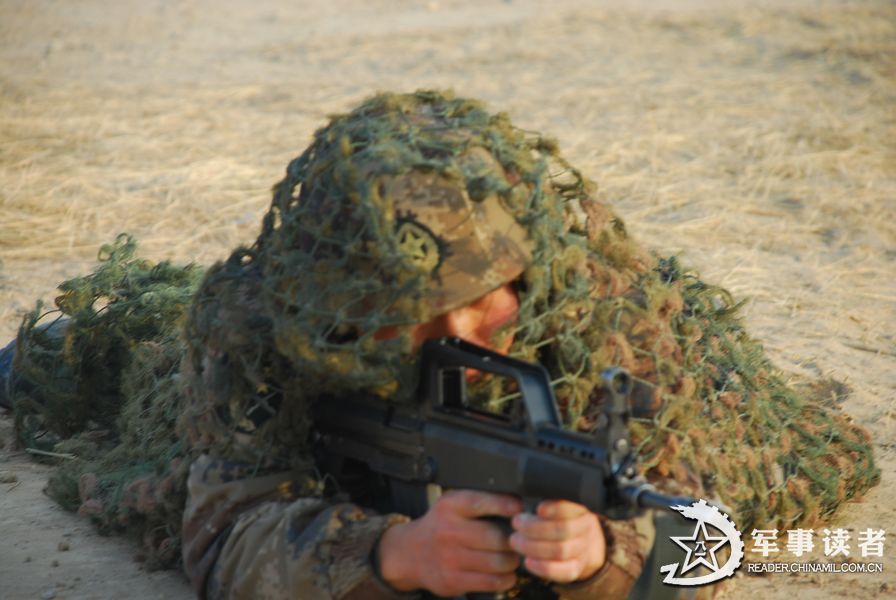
{"x": 294, "y": 317}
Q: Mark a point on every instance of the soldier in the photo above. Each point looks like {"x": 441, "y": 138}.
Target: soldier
{"x": 413, "y": 217}
{"x": 419, "y": 216}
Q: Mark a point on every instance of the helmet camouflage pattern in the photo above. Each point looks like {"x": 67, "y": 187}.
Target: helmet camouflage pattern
{"x": 467, "y": 248}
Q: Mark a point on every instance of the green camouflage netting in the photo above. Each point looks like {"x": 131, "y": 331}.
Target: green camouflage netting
{"x": 97, "y": 380}
{"x": 295, "y": 315}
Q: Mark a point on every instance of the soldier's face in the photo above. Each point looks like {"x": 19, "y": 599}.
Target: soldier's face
{"x": 486, "y": 322}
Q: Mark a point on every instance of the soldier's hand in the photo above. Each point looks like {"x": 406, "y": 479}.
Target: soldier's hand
{"x": 563, "y": 541}
{"x": 450, "y": 551}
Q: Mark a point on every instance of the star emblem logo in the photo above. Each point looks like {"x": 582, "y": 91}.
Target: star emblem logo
{"x": 419, "y": 245}
{"x": 701, "y": 548}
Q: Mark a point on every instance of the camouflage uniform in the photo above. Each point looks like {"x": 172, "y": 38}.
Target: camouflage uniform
{"x": 255, "y": 537}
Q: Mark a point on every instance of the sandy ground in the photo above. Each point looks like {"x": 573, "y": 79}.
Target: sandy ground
{"x": 756, "y": 139}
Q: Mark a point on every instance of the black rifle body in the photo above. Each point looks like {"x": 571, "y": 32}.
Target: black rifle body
{"x": 441, "y": 441}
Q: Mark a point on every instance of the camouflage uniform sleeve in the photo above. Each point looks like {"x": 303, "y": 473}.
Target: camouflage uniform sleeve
{"x": 251, "y": 537}
{"x": 628, "y": 545}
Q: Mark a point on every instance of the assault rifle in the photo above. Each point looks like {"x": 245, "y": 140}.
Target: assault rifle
{"x": 440, "y": 441}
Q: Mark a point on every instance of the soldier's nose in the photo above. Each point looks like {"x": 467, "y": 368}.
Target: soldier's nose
{"x": 481, "y": 322}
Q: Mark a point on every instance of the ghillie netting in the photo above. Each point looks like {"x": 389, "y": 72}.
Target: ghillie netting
{"x": 300, "y": 314}
{"x": 724, "y": 422}
{"x": 96, "y": 381}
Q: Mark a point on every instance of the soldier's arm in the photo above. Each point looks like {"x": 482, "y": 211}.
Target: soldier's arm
{"x": 253, "y": 531}
{"x": 628, "y": 545}
{"x": 588, "y": 557}
{"x": 252, "y": 537}
{"x": 457, "y": 552}
{"x": 454, "y": 550}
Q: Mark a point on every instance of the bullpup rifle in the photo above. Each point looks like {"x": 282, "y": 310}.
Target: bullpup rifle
{"x": 440, "y": 441}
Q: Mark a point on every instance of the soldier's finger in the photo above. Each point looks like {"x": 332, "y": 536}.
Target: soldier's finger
{"x": 470, "y": 503}
{"x": 561, "y": 571}
{"x": 482, "y": 535}
{"x": 560, "y": 509}
{"x": 536, "y": 528}
{"x": 488, "y": 562}
{"x": 481, "y": 582}
{"x": 549, "y": 550}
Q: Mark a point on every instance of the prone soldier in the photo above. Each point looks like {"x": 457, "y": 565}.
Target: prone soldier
{"x": 413, "y": 217}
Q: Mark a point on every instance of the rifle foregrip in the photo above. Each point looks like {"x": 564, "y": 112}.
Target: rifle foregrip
{"x": 548, "y": 478}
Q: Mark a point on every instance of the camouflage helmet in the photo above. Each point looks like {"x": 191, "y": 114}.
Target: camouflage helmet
{"x": 397, "y": 212}
{"x": 466, "y": 247}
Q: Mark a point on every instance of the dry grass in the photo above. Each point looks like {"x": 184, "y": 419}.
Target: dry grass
{"x": 757, "y": 139}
